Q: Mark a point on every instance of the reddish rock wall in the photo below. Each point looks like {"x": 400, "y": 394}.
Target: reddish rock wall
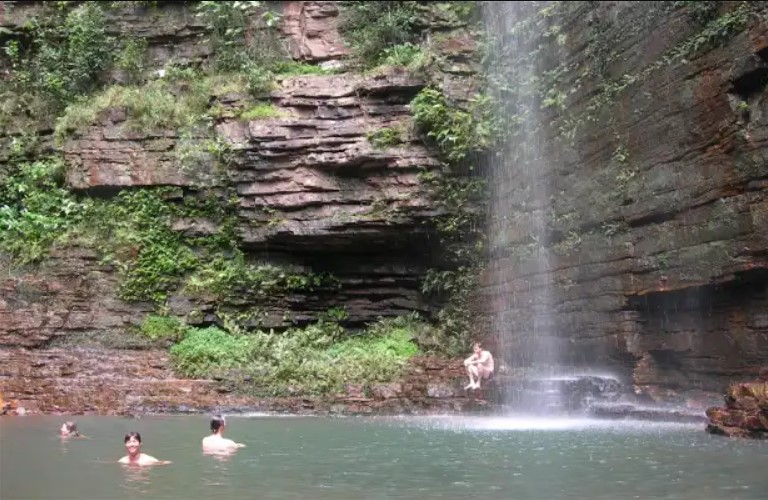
{"x": 115, "y": 382}
{"x": 313, "y": 194}
{"x": 656, "y": 201}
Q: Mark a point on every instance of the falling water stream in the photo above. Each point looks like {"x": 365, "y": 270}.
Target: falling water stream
{"x": 519, "y": 240}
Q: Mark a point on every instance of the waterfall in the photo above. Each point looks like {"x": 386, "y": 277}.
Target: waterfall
{"x": 519, "y": 236}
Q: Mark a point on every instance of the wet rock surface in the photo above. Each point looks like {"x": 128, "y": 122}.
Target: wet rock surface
{"x": 657, "y": 265}
{"x": 120, "y": 382}
{"x": 745, "y": 413}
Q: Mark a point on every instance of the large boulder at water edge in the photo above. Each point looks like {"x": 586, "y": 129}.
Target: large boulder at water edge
{"x": 746, "y": 410}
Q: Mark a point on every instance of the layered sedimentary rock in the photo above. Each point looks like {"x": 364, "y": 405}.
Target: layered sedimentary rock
{"x": 72, "y": 293}
{"x": 95, "y": 380}
{"x": 310, "y": 28}
{"x": 315, "y": 192}
{"x": 746, "y": 410}
{"x": 654, "y": 192}
{"x": 649, "y": 195}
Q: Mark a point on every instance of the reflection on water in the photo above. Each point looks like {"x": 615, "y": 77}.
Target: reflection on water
{"x": 381, "y": 458}
{"x": 218, "y": 474}
{"x": 220, "y": 455}
{"x": 136, "y": 479}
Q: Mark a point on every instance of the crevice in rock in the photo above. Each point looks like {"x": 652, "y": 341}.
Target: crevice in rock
{"x": 745, "y": 283}
{"x": 652, "y": 218}
{"x": 753, "y": 80}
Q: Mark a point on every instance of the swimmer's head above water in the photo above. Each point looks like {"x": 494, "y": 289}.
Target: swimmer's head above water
{"x": 69, "y": 429}
{"x": 132, "y": 442}
{"x": 218, "y": 423}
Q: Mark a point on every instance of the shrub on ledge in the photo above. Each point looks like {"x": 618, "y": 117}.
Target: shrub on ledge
{"x": 317, "y": 359}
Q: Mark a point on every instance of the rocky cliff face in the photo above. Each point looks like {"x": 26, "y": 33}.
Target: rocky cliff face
{"x": 313, "y": 193}
{"x": 90, "y": 380}
{"x": 647, "y": 202}
{"x": 652, "y": 202}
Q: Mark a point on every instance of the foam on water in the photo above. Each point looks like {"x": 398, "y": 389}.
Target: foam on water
{"x": 533, "y": 423}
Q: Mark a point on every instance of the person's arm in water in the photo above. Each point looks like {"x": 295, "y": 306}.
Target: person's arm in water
{"x": 235, "y": 445}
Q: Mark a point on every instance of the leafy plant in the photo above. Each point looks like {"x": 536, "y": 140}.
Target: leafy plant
{"x": 204, "y": 350}
{"x": 456, "y": 132}
{"x": 385, "y": 137}
{"x": 261, "y": 111}
{"x": 162, "y": 328}
{"x": 316, "y": 359}
{"x": 232, "y": 279}
{"x": 159, "y": 104}
{"x": 66, "y": 59}
{"x": 132, "y": 59}
{"x": 373, "y": 27}
{"x": 133, "y": 232}
{"x": 406, "y": 55}
{"x": 236, "y": 45}
{"x": 35, "y": 209}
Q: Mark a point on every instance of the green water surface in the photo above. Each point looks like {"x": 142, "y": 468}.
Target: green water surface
{"x": 380, "y": 458}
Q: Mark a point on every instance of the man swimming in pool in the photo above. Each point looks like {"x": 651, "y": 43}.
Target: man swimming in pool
{"x": 135, "y": 457}
{"x": 216, "y": 441}
{"x": 479, "y": 366}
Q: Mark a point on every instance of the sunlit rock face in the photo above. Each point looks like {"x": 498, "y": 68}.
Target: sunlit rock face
{"x": 651, "y": 152}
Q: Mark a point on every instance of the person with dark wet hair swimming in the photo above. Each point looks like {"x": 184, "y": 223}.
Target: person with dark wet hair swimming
{"x": 135, "y": 457}
{"x": 216, "y": 441}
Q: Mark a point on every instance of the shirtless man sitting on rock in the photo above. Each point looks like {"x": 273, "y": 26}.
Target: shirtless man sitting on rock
{"x": 216, "y": 441}
{"x": 479, "y": 366}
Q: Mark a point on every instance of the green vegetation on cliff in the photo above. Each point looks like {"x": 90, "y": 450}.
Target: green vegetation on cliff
{"x": 460, "y": 134}
{"x": 317, "y": 359}
{"x": 35, "y": 209}
{"x": 163, "y": 243}
{"x": 66, "y": 59}
{"x": 372, "y": 28}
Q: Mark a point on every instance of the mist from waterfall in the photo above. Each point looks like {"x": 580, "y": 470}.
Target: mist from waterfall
{"x": 518, "y": 236}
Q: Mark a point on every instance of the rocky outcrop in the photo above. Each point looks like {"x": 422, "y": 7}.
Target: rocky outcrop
{"x": 100, "y": 381}
{"x": 311, "y": 31}
{"x": 746, "y": 410}
{"x": 316, "y": 177}
{"x": 72, "y": 293}
{"x": 173, "y": 31}
{"x": 645, "y": 193}
{"x": 314, "y": 192}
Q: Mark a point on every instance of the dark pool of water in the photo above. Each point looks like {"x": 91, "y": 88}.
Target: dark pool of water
{"x": 378, "y": 458}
